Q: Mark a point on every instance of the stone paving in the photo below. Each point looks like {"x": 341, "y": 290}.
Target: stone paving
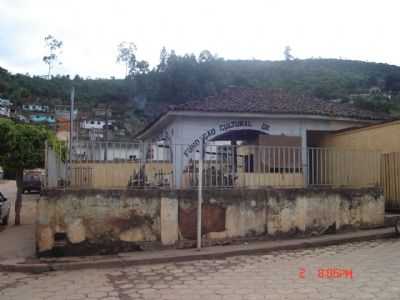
{"x": 18, "y": 241}
{"x": 374, "y": 266}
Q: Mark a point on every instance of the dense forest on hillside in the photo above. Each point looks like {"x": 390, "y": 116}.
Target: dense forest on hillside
{"x": 180, "y": 78}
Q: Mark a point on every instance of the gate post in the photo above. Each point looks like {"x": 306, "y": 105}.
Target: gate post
{"x": 200, "y": 194}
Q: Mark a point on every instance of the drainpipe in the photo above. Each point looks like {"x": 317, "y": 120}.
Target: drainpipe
{"x": 200, "y": 194}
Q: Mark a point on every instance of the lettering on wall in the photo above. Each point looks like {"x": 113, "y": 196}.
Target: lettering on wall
{"x": 224, "y": 127}
{"x": 234, "y": 124}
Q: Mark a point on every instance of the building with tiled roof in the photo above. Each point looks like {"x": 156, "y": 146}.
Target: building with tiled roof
{"x": 250, "y": 100}
{"x": 251, "y": 116}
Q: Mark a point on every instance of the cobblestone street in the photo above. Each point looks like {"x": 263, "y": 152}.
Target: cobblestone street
{"x": 374, "y": 266}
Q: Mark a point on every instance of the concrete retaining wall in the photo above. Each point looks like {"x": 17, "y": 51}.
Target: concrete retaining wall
{"x": 132, "y": 219}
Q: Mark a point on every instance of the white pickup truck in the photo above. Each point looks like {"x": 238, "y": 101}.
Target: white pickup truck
{"x": 4, "y": 209}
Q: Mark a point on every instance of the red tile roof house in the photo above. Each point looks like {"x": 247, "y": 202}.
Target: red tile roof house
{"x": 262, "y": 176}
{"x": 251, "y": 116}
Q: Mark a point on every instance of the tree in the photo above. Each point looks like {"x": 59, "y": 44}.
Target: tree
{"x": 142, "y": 67}
{"x": 22, "y": 147}
{"x": 392, "y": 83}
{"x": 288, "y": 53}
{"x": 127, "y": 55}
{"x": 205, "y": 56}
{"x": 54, "y": 47}
{"x": 163, "y": 60}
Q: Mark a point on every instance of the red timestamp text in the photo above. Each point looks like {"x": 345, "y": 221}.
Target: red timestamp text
{"x": 328, "y": 273}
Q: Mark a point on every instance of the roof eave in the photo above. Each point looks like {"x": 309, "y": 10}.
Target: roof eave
{"x": 165, "y": 116}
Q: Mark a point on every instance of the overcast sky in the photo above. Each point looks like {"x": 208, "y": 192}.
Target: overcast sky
{"x": 92, "y": 29}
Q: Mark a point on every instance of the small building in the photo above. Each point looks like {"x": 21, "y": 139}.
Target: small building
{"x": 94, "y": 124}
{"x": 261, "y": 170}
{"x": 35, "y": 108}
{"x": 5, "y": 102}
{"x": 43, "y": 119}
{"x": 245, "y": 117}
{"x": 5, "y": 111}
{"x": 21, "y": 118}
{"x": 63, "y": 123}
{"x": 101, "y": 112}
{"x": 62, "y": 128}
{"x": 63, "y": 111}
{"x": 113, "y": 151}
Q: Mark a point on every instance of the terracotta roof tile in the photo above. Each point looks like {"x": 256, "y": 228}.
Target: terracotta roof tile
{"x": 251, "y": 100}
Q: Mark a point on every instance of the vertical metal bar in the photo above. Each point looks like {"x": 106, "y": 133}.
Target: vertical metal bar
{"x": 311, "y": 162}
{"x": 294, "y": 166}
{"x": 71, "y": 122}
{"x": 221, "y": 164}
{"x": 316, "y": 166}
{"x": 269, "y": 159}
{"x": 106, "y": 134}
{"x": 200, "y": 195}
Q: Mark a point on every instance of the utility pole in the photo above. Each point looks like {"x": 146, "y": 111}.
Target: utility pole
{"x": 71, "y": 123}
{"x": 200, "y": 194}
{"x": 106, "y": 134}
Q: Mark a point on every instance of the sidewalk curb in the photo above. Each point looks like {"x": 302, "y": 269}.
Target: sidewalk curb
{"x": 130, "y": 259}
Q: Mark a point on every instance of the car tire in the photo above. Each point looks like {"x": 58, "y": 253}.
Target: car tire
{"x": 5, "y": 220}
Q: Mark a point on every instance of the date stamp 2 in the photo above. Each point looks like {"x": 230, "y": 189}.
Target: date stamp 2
{"x": 328, "y": 273}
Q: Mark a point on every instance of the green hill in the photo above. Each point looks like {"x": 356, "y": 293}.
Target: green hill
{"x": 180, "y": 78}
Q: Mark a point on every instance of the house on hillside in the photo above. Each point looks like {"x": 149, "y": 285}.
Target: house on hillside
{"x": 94, "y": 124}
{"x": 35, "y": 108}
{"x": 5, "y": 102}
{"x": 101, "y": 112}
{"x": 5, "y": 111}
{"x": 5, "y": 107}
{"x": 63, "y": 111}
{"x": 42, "y": 119}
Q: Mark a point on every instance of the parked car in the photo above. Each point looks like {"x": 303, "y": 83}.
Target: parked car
{"x": 1, "y": 173}
{"x": 31, "y": 182}
{"x": 4, "y": 209}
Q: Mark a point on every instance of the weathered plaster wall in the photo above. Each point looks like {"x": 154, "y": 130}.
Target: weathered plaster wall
{"x": 98, "y": 216}
{"x": 319, "y": 211}
{"x": 164, "y": 218}
{"x": 284, "y": 212}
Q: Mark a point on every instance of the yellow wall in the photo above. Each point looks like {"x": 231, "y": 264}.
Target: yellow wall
{"x": 117, "y": 175}
{"x": 381, "y": 137}
{"x": 391, "y": 180}
{"x": 271, "y": 179}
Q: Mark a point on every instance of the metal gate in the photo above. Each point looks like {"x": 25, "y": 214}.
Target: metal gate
{"x": 391, "y": 180}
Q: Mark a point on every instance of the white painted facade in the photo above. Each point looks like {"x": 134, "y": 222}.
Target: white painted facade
{"x": 35, "y": 107}
{"x": 5, "y": 102}
{"x": 93, "y": 124}
{"x": 115, "y": 151}
{"x": 4, "y": 111}
{"x": 184, "y": 130}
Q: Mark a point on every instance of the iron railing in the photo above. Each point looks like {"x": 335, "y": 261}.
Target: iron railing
{"x": 144, "y": 165}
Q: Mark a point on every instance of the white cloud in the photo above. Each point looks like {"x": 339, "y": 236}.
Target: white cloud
{"x": 91, "y": 31}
